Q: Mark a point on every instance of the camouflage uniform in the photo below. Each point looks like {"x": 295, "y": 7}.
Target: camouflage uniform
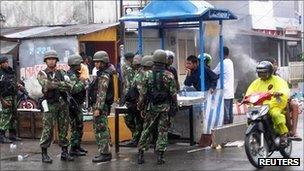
{"x": 76, "y": 116}
{"x": 130, "y": 117}
{"x": 104, "y": 99}
{"x": 53, "y": 83}
{"x": 100, "y": 126}
{"x": 133, "y": 119}
{"x": 156, "y": 114}
{"x": 8, "y": 93}
{"x": 129, "y": 74}
{"x": 156, "y": 92}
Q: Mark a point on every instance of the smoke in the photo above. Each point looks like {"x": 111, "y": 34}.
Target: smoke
{"x": 241, "y": 55}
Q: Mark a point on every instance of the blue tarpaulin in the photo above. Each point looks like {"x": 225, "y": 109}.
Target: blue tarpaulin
{"x": 177, "y": 10}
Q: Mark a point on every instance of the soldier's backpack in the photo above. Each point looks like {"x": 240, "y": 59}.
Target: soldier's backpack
{"x": 157, "y": 92}
{"x": 93, "y": 91}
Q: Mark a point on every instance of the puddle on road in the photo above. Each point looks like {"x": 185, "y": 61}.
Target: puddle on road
{"x": 15, "y": 158}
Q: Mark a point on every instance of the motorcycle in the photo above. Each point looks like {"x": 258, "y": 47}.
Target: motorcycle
{"x": 261, "y": 140}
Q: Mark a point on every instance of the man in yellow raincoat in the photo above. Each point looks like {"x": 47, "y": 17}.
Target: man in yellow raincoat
{"x": 276, "y": 85}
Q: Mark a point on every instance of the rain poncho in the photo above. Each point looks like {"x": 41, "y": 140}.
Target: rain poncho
{"x": 276, "y": 106}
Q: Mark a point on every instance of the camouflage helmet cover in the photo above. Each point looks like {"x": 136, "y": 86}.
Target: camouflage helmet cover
{"x": 101, "y": 56}
{"x": 147, "y": 61}
{"x": 74, "y": 60}
{"x": 50, "y": 54}
{"x": 160, "y": 56}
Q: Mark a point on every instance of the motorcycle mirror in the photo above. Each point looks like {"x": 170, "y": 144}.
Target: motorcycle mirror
{"x": 270, "y": 87}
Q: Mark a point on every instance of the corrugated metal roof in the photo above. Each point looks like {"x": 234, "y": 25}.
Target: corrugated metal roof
{"x": 51, "y": 31}
{"x": 10, "y": 30}
{"x": 29, "y": 32}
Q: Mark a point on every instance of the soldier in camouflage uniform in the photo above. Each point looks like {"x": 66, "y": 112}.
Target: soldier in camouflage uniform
{"x": 156, "y": 93}
{"x": 132, "y": 119}
{"x": 125, "y": 68}
{"x": 54, "y": 84}
{"x": 101, "y": 108}
{"x": 75, "y": 108}
{"x": 8, "y": 92}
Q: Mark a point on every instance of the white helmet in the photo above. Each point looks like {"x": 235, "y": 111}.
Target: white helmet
{"x": 170, "y": 53}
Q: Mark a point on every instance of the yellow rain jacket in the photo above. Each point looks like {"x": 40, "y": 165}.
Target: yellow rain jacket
{"x": 276, "y": 107}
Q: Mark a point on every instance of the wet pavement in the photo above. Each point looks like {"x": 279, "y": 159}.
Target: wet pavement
{"x": 178, "y": 157}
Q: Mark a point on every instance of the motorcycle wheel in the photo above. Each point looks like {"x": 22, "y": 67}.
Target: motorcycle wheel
{"x": 253, "y": 149}
{"x": 286, "y": 151}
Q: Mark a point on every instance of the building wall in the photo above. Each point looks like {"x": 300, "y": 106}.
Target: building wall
{"x": 36, "y": 13}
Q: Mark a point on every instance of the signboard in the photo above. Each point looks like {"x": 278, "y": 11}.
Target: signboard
{"x": 218, "y": 14}
{"x": 31, "y": 53}
{"x": 131, "y": 9}
{"x": 291, "y": 31}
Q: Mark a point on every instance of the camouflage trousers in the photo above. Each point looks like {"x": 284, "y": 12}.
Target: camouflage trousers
{"x": 102, "y": 133}
{"x": 8, "y": 118}
{"x": 57, "y": 112}
{"x": 134, "y": 122}
{"x": 76, "y": 122}
{"x": 152, "y": 120}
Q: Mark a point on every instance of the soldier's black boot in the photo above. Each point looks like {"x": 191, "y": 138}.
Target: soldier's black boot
{"x": 45, "y": 157}
{"x": 82, "y": 149}
{"x": 74, "y": 151}
{"x": 3, "y": 139}
{"x": 160, "y": 157}
{"x": 140, "y": 159}
{"x": 102, "y": 158}
{"x": 13, "y": 135}
{"x": 65, "y": 156}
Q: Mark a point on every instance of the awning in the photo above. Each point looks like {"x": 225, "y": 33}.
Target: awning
{"x": 7, "y": 47}
{"x": 177, "y": 10}
{"x": 55, "y": 31}
{"x": 255, "y": 33}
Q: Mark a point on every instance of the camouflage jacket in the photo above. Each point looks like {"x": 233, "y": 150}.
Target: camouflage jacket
{"x": 124, "y": 67}
{"x": 53, "y": 84}
{"x": 129, "y": 77}
{"x": 103, "y": 82}
{"x": 145, "y": 86}
{"x": 77, "y": 85}
{"x": 140, "y": 77}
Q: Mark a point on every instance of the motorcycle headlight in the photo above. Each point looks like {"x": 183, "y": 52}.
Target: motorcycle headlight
{"x": 257, "y": 111}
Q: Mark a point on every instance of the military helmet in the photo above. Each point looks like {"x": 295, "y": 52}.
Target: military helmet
{"x": 147, "y": 61}
{"x": 160, "y": 56}
{"x": 3, "y": 59}
{"x": 74, "y": 60}
{"x": 50, "y": 54}
{"x": 136, "y": 60}
{"x": 101, "y": 56}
